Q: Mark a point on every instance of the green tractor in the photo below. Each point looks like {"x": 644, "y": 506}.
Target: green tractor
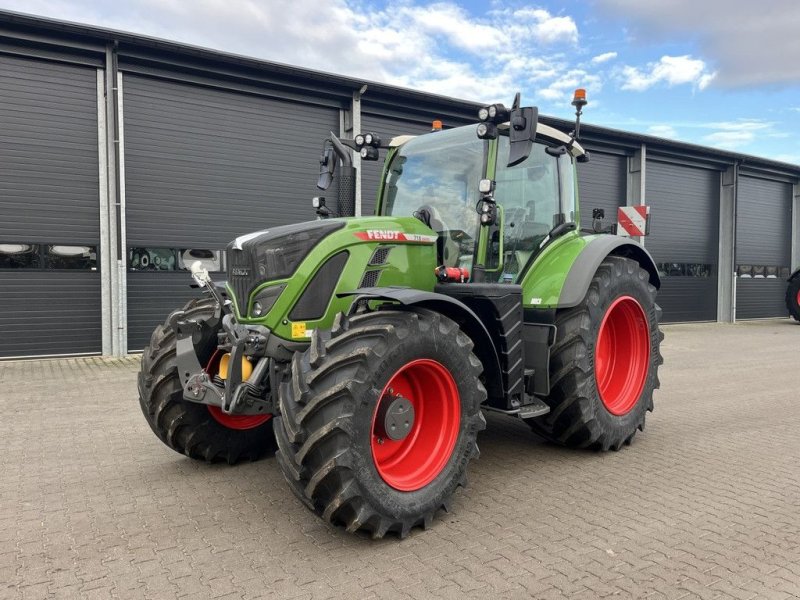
{"x": 793, "y": 295}
{"x": 369, "y": 348}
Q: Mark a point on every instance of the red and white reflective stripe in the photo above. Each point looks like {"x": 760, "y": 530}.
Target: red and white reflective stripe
{"x": 388, "y": 235}
{"x": 632, "y": 220}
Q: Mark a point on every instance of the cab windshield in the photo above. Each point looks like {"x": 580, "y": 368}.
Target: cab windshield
{"x": 438, "y": 174}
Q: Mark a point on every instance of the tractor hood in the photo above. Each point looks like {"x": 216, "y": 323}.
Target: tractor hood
{"x": 272, "y": 254}
{"x": 292, "y": 273}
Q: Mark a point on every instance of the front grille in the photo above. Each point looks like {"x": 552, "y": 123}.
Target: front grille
{"x": 242, "y": 276}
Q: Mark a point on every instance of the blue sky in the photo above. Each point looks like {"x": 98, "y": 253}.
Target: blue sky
{"x": 723, "y": 73}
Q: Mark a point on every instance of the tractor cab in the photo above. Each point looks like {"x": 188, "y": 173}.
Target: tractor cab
{"x": 491, "y": 235}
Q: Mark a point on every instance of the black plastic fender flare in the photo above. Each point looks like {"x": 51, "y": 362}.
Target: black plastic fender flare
{"x": 580, "y": 275}
{"x": 456, "y": 310}
{"x": 794, "y": 275}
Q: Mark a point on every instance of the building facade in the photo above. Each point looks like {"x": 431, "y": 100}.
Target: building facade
{"x": 123, "y": 159}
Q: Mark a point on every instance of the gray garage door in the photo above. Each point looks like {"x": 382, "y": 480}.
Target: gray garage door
{"x": 203, "y": 166}
{"x": 49, "y": 209}
{"x": 601, "y": 183}
{"x": 683, "y": 238}
{"x": 763, "y": 247}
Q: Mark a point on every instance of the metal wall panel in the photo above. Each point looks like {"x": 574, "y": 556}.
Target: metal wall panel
{"x": 601, "y": 183}
{"x": 761, "y": 298}
{"x": 49, "y": 312}
{"x": 48, "y": 152}
{"x": 151, "y": 297}
{"x": 763, "y": 239}
{"x": 203, "y": 166}
{"x": 684, "y": 234}
{"x": 49, "y": 194}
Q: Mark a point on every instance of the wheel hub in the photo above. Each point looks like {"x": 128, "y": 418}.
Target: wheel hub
{"x": 396, "y": 414}
{"x": 415, "y": 425}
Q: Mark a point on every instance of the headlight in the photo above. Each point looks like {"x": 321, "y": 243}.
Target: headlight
{"x": 265, "y": 299}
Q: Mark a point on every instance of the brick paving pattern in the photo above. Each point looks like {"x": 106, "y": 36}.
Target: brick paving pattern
{"x": 705, "y": 504}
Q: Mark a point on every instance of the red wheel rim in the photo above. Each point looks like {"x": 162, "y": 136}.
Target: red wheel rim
{"x": 797, "y": 300}
{"x": 622, "y": 355}
{"x": 238, "y": 422}
{"x": 413, "y": 462}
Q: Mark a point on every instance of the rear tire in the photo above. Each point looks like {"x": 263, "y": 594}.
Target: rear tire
{"x": 793, "y": 297}
{"x": 192, "y": 429}
{"x": 604, "y": 364}
{"x": 332, "y": 451}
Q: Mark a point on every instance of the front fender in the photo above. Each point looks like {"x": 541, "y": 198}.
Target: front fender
{"x": 454, "y": 309}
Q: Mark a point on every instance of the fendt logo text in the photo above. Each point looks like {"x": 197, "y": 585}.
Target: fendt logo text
{"x": 383, "y": 234}
{"x": 387, "y": 235}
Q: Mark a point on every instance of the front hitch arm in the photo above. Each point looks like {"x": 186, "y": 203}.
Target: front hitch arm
{"x": 197, "y": 383}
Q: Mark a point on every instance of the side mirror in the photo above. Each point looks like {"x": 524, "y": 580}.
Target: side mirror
{"x": 521, "y": 132}
{"x": 327, "y": 164}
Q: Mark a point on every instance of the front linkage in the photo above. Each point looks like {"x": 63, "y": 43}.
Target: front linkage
{"x": 243, "y": 393}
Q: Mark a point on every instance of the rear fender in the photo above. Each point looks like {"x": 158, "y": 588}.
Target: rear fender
{"x": 470, "y": 323}
{"x": 580, "y": 275}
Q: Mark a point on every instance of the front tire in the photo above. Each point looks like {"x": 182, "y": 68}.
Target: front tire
{"x": 195, "y": 430}
{"x": 344, "y": 451}
{"x": 604, "y": 364}
{"x": 793, "y": 297}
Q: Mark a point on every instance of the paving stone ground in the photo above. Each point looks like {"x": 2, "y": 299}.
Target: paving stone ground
{"x": 704, "y": 504}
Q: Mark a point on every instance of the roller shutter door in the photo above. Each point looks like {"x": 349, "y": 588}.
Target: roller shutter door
{"x": 683, "y": 238}
{"x": 763, "y": 247}
{"x": 49, "y": 209}
{"x": 601, "y": 183}
{"x": 203, "y": 166}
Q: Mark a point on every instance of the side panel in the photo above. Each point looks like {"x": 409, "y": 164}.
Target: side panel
{"x": 763, "y": 247}
{"x": 49, "y": 195}
{"x": 203, "y": 166}
{"x": 544, "y": 280}
{"x": 684, "y": 238}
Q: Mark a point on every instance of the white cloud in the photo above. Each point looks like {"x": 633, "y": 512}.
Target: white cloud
{"x": 750, "y": 43}
{"x": 560, "y": 90}
{"x": 605, "y": 57}
{"x": 546, "y": 28}
{"x": 438, "y": 47}
{"x": 671, "y": 70}
{"x": 663, "y": 131}
{"x": 734, "y": 135}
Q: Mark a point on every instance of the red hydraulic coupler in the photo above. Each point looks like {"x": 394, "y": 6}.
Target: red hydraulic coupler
{"x": 451, "y": 274}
